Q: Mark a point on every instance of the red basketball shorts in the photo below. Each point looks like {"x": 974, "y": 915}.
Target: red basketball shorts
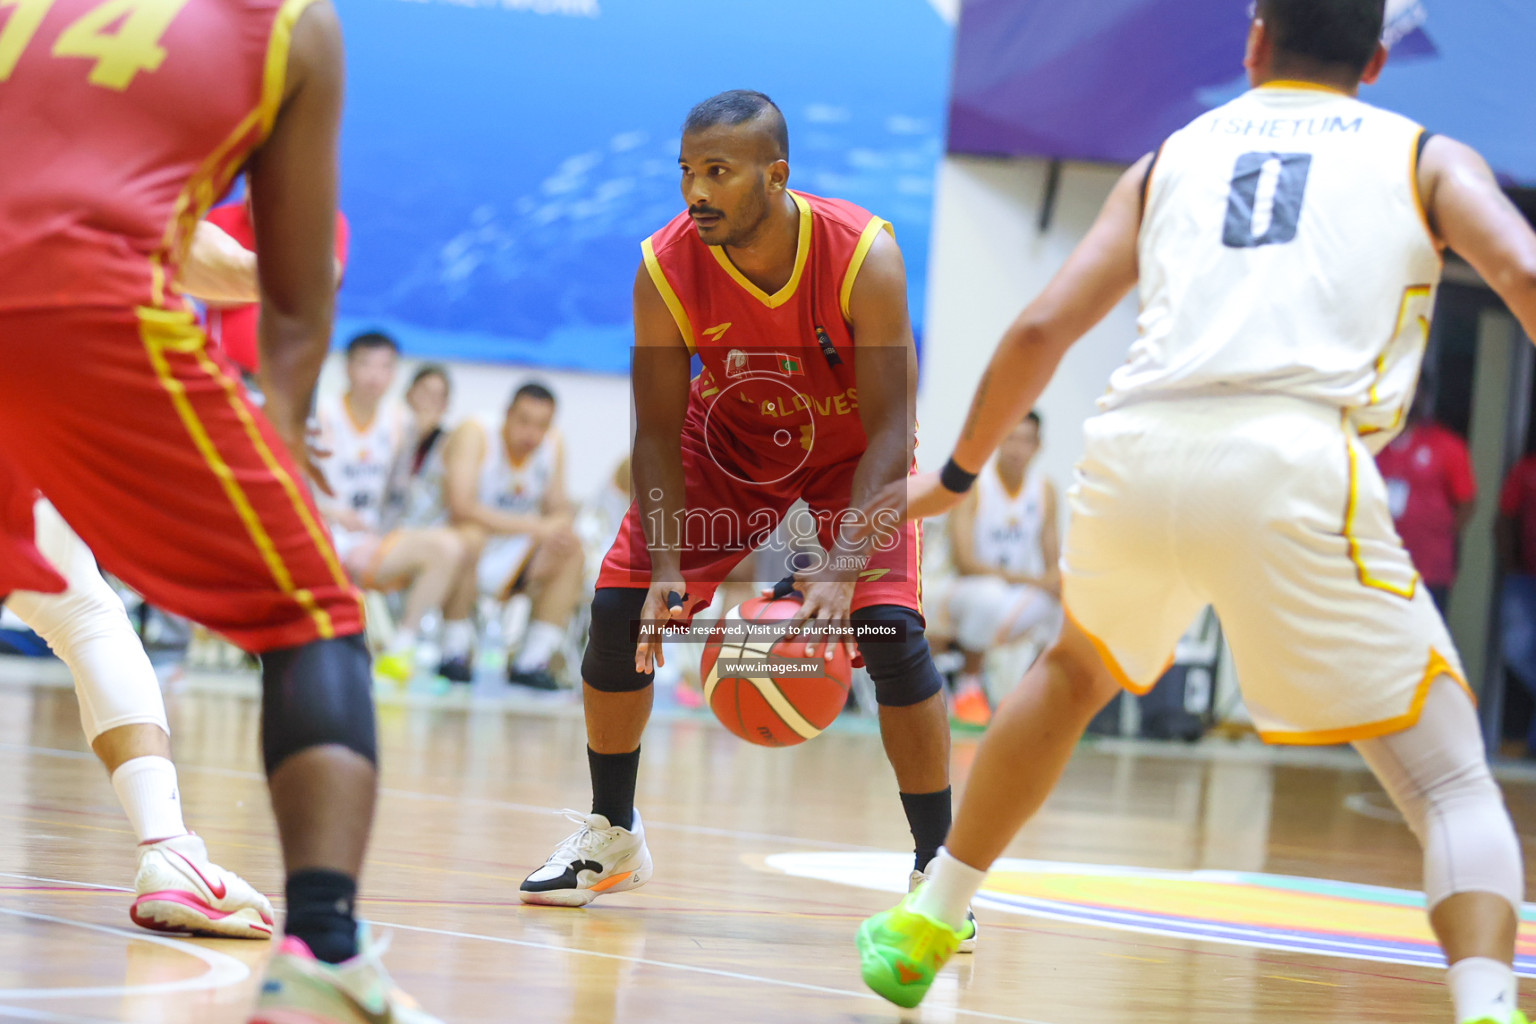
{"x": 151, "y": 449}
{"x": 728, "y": 515}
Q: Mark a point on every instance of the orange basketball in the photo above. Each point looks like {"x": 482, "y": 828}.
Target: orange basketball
{"x": 770, "y": 706}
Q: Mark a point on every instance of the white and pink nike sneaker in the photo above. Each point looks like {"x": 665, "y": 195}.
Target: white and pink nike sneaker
{"x": 181, "y": 890}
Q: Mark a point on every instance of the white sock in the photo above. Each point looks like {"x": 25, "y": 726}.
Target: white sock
{"x": 967, "y": 681}
{"x": 947, "y": 894}
{"x": 405, "y": 641}
{"x": 1482, "y": 989}
{"x": 539, "y": 645}
{"x": 458, "y": 638}
{"x": 147, "y": 789}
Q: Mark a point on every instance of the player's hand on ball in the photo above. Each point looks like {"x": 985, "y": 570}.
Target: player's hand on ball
{"x": 666, "y": 601}
{"x": 827, "y": 603}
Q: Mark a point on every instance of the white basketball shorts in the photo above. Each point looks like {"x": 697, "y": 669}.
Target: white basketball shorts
{"x": 502, "y": 563}
{"x": 1271, "y": 510}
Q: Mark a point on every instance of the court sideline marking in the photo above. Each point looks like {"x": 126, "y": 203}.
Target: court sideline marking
{"x": 223, "y": 969}
{"x": 525, "y": 943}
{"x": 507, "y": 805}
{"x": 695, "y": 969}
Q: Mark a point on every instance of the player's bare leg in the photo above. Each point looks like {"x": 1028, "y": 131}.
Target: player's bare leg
{"x": 1475, "y": 924}
{"x": 916, "y": 742}
{"x": 462, "y": 595}
{"x": 430, "y": 560}
{"x": 616, "y": 721}
{"x": 116, "y": 747}
{"x": 554, "y": 582}
{"x": 1028, "y": 745}
{"x": 458, "y": 639}
{"x": 323, "y": 800}
{"x": 558, "y": 570}
{"x": 1022, "y": 756}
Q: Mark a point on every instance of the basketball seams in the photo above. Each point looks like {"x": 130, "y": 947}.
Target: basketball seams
{"x": 774, "y": 717}
{"x": 781, "y": 706}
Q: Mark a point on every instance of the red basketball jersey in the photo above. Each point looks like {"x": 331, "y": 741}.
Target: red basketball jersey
{"x": 123, "y": 121}
{"x": 777, "y": 388}
{"x": 233, "y": 328}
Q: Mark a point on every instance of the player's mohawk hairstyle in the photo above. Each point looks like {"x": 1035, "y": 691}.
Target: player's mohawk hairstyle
{"x": 739, "y": 106}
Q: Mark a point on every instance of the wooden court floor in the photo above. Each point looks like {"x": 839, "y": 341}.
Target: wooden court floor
{"x": 765, "y": 862}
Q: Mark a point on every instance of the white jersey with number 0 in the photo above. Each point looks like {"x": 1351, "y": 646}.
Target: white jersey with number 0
{"x": 361, "y": 457}
{"x": 1284, "y": 250}
{"x": 1007, "y": 534}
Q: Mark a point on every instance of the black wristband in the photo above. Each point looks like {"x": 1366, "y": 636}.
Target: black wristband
{"x": 956, "y": 479}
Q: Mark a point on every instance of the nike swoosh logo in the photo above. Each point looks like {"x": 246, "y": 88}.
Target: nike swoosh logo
{"x": 907, "y": 974}
{"x": 218, "y": 890}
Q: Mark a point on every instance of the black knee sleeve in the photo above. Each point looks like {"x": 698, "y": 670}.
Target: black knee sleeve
{"x": 609, "y": 661}
{"x": 314, "y": 695}
{"x": 903, "y": 671}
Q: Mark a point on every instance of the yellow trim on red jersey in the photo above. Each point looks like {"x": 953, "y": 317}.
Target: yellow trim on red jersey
{"x": 164, "y": 331}
{"x": 802, "y": 253}
{"x": 274, "y": 79}
{"x": 866, "y": 242}
{"x": 215, "y": 173}
{"x": 674, "y": 304}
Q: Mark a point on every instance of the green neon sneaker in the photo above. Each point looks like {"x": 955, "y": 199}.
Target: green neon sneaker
{"x": 900, "y": 952}
{"x": 397, "y": 667}
{"x": 967, "y": 930}
{"x": 1518, "y": 1018}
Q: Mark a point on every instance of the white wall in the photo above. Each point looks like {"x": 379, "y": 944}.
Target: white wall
{"x": 988, "y": 259}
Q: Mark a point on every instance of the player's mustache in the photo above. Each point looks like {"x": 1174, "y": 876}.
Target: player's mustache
{"x": 705, "y": 211}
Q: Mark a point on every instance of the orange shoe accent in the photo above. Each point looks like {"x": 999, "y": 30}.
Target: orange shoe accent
{"x": 907, "y": 974}
{"x": 611, "y": 881}
{"x": 971, "y": 707}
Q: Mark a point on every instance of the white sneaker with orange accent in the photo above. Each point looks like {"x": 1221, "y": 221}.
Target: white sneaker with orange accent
{"x": 181, "y": 890}
{"x": 597, "y": 858}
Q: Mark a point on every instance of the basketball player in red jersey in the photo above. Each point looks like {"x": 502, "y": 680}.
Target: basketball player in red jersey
{"x": 232, "y": 326}
{"x": 112, "y": 406}
{"x": 797, "y": 307}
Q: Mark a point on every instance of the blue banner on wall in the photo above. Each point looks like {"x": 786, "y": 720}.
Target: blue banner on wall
{"x": 1110, "y": 80}
{"x": 503, "y": 159}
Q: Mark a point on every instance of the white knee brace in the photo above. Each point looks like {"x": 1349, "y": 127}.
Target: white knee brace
{"x": 88, "y": 628}
{"x": 1438, "y": 776}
